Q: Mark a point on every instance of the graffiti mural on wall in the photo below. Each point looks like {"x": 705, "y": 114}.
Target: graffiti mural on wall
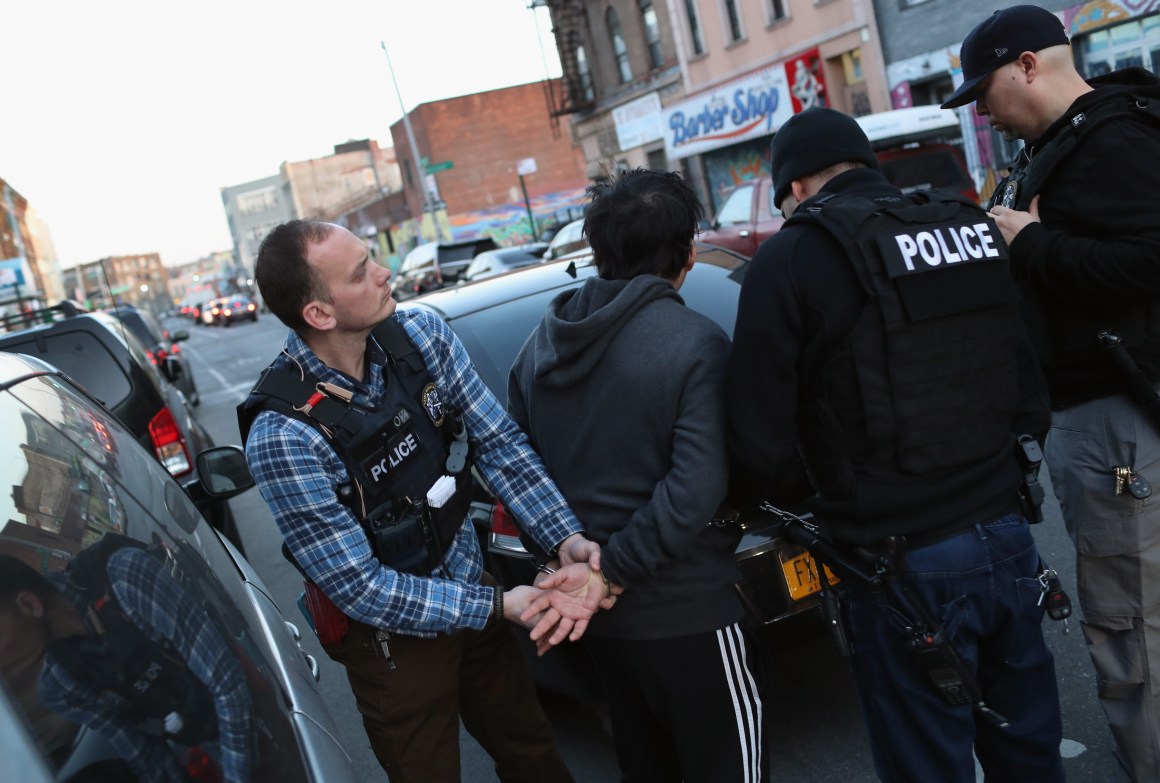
{"x": 508, "y": 224}
{"x": 1099, "y": 13}
{"x": 729, "y": 167}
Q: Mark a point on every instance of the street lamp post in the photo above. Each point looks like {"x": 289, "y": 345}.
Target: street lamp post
{"x": 428, "y": 197}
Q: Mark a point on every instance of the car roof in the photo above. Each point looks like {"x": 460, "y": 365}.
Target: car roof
{"x": 456, "y": 302}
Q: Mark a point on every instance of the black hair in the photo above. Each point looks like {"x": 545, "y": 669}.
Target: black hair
{"x": 285, "y": 278}
{"x": 17, "y": 576}
{"x": 642, "y": 222}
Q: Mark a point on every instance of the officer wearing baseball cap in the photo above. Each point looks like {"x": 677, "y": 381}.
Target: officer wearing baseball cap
{"x": 879, "y": 377}
{"x": 1081, "y": 214}
{"x": 1000, "y": 40}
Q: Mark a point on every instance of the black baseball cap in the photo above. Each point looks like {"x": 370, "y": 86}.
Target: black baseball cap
{"x": 1000, "y": 39}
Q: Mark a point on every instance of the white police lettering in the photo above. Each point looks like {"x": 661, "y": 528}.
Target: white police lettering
{"x": 940, "y": 246}
{"x": 401, "y": 450}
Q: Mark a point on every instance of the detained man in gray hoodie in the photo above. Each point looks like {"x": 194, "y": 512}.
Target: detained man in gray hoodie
{"x": 621, "y": 391}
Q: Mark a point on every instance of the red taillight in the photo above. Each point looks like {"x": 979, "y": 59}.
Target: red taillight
{"x": 201, "y": 767}
{"x": 168, "y": 443}
{"x": 174, "y": 349}
{"x": 501, "y": 521}
{"x": 152, "y": 358}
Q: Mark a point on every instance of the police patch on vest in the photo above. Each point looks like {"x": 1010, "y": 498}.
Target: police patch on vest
{"x": 400, "y": 449}
{"x": 432, "y": 403}
{"x": 922, "y": 250}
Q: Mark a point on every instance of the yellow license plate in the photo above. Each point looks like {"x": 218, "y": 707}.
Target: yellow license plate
{"x": 801, "y": 574}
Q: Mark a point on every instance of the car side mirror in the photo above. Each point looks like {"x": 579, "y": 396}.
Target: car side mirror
{"x": 223, "y": 472}
{"x": 171, "y": 368}
{"x": 179, "y": 336}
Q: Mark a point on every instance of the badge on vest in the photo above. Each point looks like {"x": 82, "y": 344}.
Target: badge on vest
{"x": 432, "y": 403}
{"x": 922, "y": 250}
{"x": 1010, "y": 194}
{"x": 402, "y": 447}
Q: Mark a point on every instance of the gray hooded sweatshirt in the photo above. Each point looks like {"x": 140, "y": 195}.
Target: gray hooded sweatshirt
{"x": 621, "y": 391}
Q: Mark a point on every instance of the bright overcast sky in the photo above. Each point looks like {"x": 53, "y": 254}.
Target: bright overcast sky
{"x": 122, "y": 119}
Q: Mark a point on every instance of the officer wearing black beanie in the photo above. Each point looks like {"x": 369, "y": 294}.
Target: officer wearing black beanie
{"x": 811, "y": 142}
{"x": 876, "y": 378}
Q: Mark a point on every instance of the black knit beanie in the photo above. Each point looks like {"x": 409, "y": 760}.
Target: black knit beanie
{"x": 812, "y": 141}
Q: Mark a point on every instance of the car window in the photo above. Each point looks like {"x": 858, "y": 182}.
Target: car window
{"x": 140, "y": 328}
{"x": 83, "y": 491}
{"x": 737, "y": 208}
{"x": 81, "y": 356}
{"x": 932, "y": 169}
{"x": 456, "y": 253}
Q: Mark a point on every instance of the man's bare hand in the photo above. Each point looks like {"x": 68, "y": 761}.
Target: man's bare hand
{"x": 578, "y": 549}
{"x": 1012, "y": 221}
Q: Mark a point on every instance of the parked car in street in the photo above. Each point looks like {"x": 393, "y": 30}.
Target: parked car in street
{"x": 161, "y": 346}
{"x": 567, "y": 240}
{"x": 235, "y": 307}
{"x": 100, "y": 353}
{"x": 493, "y": 318}
{"x": 82, "y": 494}
{"x": 433, "y": 265}
{"x": 493, "y": 262}
{"x": 745, "y": 219}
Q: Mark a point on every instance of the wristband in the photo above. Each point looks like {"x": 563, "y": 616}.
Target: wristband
{"x": 497, "y": 603}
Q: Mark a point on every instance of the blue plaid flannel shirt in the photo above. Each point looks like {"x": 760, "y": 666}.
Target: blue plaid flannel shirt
{"x": 154, "y": 602}
{"x": 298, "y": 473}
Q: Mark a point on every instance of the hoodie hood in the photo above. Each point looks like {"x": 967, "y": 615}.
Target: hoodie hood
{"x": 581, "y": 323}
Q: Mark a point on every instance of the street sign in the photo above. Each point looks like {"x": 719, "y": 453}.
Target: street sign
{"x": 431, "y": 169}
{"x": 526, "y": 166}
{"x": 424, "y": 162}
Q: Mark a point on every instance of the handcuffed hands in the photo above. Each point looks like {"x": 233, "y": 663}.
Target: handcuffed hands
{"x": 565, "y": 597}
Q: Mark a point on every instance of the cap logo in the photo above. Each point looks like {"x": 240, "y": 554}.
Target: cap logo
{"x": 1001, "y": 52}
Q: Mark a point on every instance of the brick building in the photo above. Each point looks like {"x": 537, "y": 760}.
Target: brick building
{"x": 484, "y": 137}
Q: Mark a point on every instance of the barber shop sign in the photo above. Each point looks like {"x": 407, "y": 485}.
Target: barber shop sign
{"x": 754, "y": 105}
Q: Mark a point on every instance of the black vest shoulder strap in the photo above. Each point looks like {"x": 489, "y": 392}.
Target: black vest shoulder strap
{"x": 402, "y": 352}
{"x": 1027, "y": 180}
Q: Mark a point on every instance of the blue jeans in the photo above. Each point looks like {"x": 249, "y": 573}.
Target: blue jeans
{"x": 981, "y": 586}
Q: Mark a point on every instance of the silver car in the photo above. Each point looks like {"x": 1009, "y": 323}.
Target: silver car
{"x": 118, "y": 671}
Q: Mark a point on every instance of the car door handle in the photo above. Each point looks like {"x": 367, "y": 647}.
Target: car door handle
{"x": 315, "y": 672}
{"x": 743, "y": 232}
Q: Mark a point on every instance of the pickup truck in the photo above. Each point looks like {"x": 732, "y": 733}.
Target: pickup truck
{"x": 915, "y": 149}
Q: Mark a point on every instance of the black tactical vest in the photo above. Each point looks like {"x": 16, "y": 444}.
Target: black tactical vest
{"x": 933, "y": 351}
{"x": 1072, "y": 336}
{"x": 393, "y": 453}
{"x": 151, "y": 678}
